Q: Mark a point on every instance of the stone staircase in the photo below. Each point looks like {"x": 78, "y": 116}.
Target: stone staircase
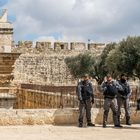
{"x": 7, "y": 98}
{"x": 7, "y": 61}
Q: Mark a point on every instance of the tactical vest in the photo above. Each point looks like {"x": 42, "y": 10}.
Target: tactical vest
{"x": 111, "y": 90}
{"x": 126, "y": 89}
{"x": 86, "y": 90}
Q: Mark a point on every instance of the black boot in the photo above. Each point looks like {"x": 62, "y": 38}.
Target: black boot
{"x": 90, "y": 124}
{"x": 119, "y": 126}
{"x": 128, "y": 120}
{"x": 119, "y": 122}
{"x": 104, "y": 121}
{"x": 80, "y": 124}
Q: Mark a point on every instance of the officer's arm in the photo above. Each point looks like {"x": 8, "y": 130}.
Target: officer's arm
{"x": 91, "y": 88}
{"x": 78, "y": 92}
{"x": 103, "y": 87}
{"x": 118, "y": 86}
{"x": 92, "y": 93}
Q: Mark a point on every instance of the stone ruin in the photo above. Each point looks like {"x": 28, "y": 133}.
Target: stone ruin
{"x": 42, "y": 65}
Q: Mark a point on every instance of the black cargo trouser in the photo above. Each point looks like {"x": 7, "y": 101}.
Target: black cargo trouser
{"x": 110, "y": 103}
{"x": 123, "y": 102}
{"x": 85, "y": 106}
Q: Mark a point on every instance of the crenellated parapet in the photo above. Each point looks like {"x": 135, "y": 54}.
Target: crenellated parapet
{"x": 78, "y": 46}
{"x": 43, "y": 46}
{"x": 57, "y": 47}
{"x": 61, "y": 46}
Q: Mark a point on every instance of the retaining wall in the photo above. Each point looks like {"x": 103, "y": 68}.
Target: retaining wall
{"x": 67, "y": 116}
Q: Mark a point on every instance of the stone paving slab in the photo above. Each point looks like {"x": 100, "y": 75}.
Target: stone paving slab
{"x": 50, "y": 132}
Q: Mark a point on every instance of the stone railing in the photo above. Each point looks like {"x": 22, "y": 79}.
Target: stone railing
{"x": 40, "y": 96}
{"x": 33, "y": 99}
{"x": 30, "y": 96}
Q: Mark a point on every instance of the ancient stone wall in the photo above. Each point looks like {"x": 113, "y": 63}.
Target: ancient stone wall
{"x": 44, "y": 63}
{"x": 56, "y": 116}
{"x": 6, "y": 67}
{"x": 42, "y": 69}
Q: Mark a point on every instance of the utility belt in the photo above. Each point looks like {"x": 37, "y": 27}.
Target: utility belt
{"x": 109, "y": 97}
{"x": 122, "y": 96}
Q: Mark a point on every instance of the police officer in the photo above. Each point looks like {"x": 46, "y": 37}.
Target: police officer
{"x": 86, "y": 99}
{"x": 123, "y": 98}
{"x": 110, "y": 90}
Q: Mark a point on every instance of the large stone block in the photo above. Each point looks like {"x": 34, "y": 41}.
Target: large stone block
{"x": 7, "y": 100}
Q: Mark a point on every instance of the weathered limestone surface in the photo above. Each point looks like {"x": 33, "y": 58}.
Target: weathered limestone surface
{"x": 43, "y": 47}
{"x": 53, "y": 116}
{"x": 7, "y": 100}
{"x": 7, "y": 61}
{"x": 78, "y": 46}
{"x": 27, "y": 117}
{"x": 34, "y": 99}
{"x": 60, "y": 46}
{"x": 42, "y": 69}
{"x": 23, "y": 47}
{"x": 69, "y": 48}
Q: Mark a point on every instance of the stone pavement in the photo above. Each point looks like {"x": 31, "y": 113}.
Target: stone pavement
{"x": 50, "y": 132}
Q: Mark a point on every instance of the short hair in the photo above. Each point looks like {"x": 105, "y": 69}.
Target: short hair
{"x": 86, "y": 75}
{"x": 108, "y": 75}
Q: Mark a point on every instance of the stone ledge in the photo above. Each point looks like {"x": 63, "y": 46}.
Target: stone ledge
{"x": 67, "y": 116}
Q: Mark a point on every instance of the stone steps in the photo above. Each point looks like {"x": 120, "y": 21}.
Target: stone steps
{"x": 7, "y": 61}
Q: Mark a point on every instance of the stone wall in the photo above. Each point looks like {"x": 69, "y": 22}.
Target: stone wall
{"x": 23, "y": 47}
{"x": 44, "y": 63}
{"x": 55, "y": 116}
{"x": 7, "y": 61}
{"x": 78, "y": 46}
{"x": 60, "y": 46}
{"x": 42, "y": 69}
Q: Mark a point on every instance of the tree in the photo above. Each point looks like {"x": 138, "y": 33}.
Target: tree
{"x": 81, "y": 64}
{"x": 125, "y": 58}
{"x": 101, "y": 69}
{"x": 88, "y": 63}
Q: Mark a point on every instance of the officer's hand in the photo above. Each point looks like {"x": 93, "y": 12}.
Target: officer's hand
{"x": 92, "y": 101}
{"x": 81, "y": 101}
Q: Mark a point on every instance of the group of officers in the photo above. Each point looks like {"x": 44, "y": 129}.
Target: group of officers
{"x": 116, "y": 94}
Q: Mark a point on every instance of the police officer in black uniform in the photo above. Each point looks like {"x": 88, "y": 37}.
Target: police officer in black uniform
{"x": 110, "y": 89}
{"x": 123, "y": 98}
{"x": 86, "y": 99}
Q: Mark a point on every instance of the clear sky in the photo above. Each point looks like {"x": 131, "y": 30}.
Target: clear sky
{"x": 70, "y": 20}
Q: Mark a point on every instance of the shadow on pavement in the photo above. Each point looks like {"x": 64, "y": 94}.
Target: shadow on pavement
{"x": 109, "y": 126}
{"x": 131, "y": 127}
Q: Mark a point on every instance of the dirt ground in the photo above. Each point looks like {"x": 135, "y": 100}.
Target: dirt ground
{"x": 50, "y": 132}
